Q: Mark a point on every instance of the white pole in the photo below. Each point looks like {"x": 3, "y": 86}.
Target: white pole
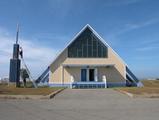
{"x": 96, "y": 75}
{"x": 72, "y": 80}
{"x": 105, "y": 80}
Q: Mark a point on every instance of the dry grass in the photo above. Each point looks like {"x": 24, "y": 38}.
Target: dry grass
{"x": 11, "y": 90}
{"x": 151, "y": 83}
{"x": 151, "y": 87}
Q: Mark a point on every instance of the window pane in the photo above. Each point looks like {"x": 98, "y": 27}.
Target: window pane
{"x": 104, "y": 52}
{"x": 84, "y": 51}
{"x": 89, "y": 51}
{"x": 94, "y": 45}
{"x": 94, "y": 53}
{"x": 89, "y": 40}
{"x": 79, "y": 53}
{"x": 99, "y": 50}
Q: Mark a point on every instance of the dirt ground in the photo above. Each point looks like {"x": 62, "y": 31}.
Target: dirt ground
{"x": 12, "y": 90}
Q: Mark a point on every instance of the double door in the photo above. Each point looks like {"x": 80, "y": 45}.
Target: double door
{"x": 88, "y": 75}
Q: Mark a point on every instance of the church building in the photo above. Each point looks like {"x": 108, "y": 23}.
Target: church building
{"x": 88, "y": 62}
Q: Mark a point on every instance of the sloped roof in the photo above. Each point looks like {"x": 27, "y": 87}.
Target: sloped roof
{"x": 97, "y": 35}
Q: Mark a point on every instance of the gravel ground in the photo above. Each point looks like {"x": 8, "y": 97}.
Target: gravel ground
{"x": 78, "y": 104}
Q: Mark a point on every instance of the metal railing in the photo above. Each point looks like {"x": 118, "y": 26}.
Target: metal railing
{"x": 87, "y": 85}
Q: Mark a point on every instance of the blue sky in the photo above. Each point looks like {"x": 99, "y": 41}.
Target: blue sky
{"x": 130, "y": 27}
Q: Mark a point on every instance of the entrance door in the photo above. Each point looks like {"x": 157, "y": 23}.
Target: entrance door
{"x": 91, "y": 75}
{"x": 83, "y": 75}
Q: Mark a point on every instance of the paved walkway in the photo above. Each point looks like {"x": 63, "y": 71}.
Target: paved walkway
{"x": 100, "y": 104}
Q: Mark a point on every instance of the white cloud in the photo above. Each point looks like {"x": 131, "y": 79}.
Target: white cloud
{"x": 111, "y": 3}
{"x": 36, "y": 56}
{"x": 128, "y": 27}
{"x": 134, "y": 26}
{"x": 142, "y": 24}
{"x": 151, "y": 41}
{"x": 147, "y": 48}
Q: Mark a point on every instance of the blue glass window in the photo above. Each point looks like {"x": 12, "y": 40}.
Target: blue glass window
{"x": 87, "y": 45}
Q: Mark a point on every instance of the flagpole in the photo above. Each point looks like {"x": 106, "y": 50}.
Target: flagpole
{"x": 17, "y": 35}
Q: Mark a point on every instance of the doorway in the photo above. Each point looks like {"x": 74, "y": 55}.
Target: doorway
{"x": 83, "y": 75}
{"x": 87, "y": 75}
{"x": 91, "y": 75}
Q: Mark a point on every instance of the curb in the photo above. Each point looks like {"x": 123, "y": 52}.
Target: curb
{"x": 52, "y": 95}
{"x": 127, "y": 93}
{"x": 34, "y": 97}
{"x": 139, "y": 96}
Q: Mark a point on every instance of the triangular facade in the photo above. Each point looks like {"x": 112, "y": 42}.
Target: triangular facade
{"x": 88, "y": 61}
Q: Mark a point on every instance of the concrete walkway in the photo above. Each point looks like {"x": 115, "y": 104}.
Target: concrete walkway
{"x": 99, "y": 104}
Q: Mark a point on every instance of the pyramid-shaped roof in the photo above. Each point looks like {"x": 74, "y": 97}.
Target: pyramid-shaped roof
{"x": 96, "y": 34}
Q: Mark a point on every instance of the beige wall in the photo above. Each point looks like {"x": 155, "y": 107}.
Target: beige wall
{"x": 74, "y": 71}
{"x": 55, "y": 75}
{"x": 58, "y": 74}
{"x": 111, "y": 73}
